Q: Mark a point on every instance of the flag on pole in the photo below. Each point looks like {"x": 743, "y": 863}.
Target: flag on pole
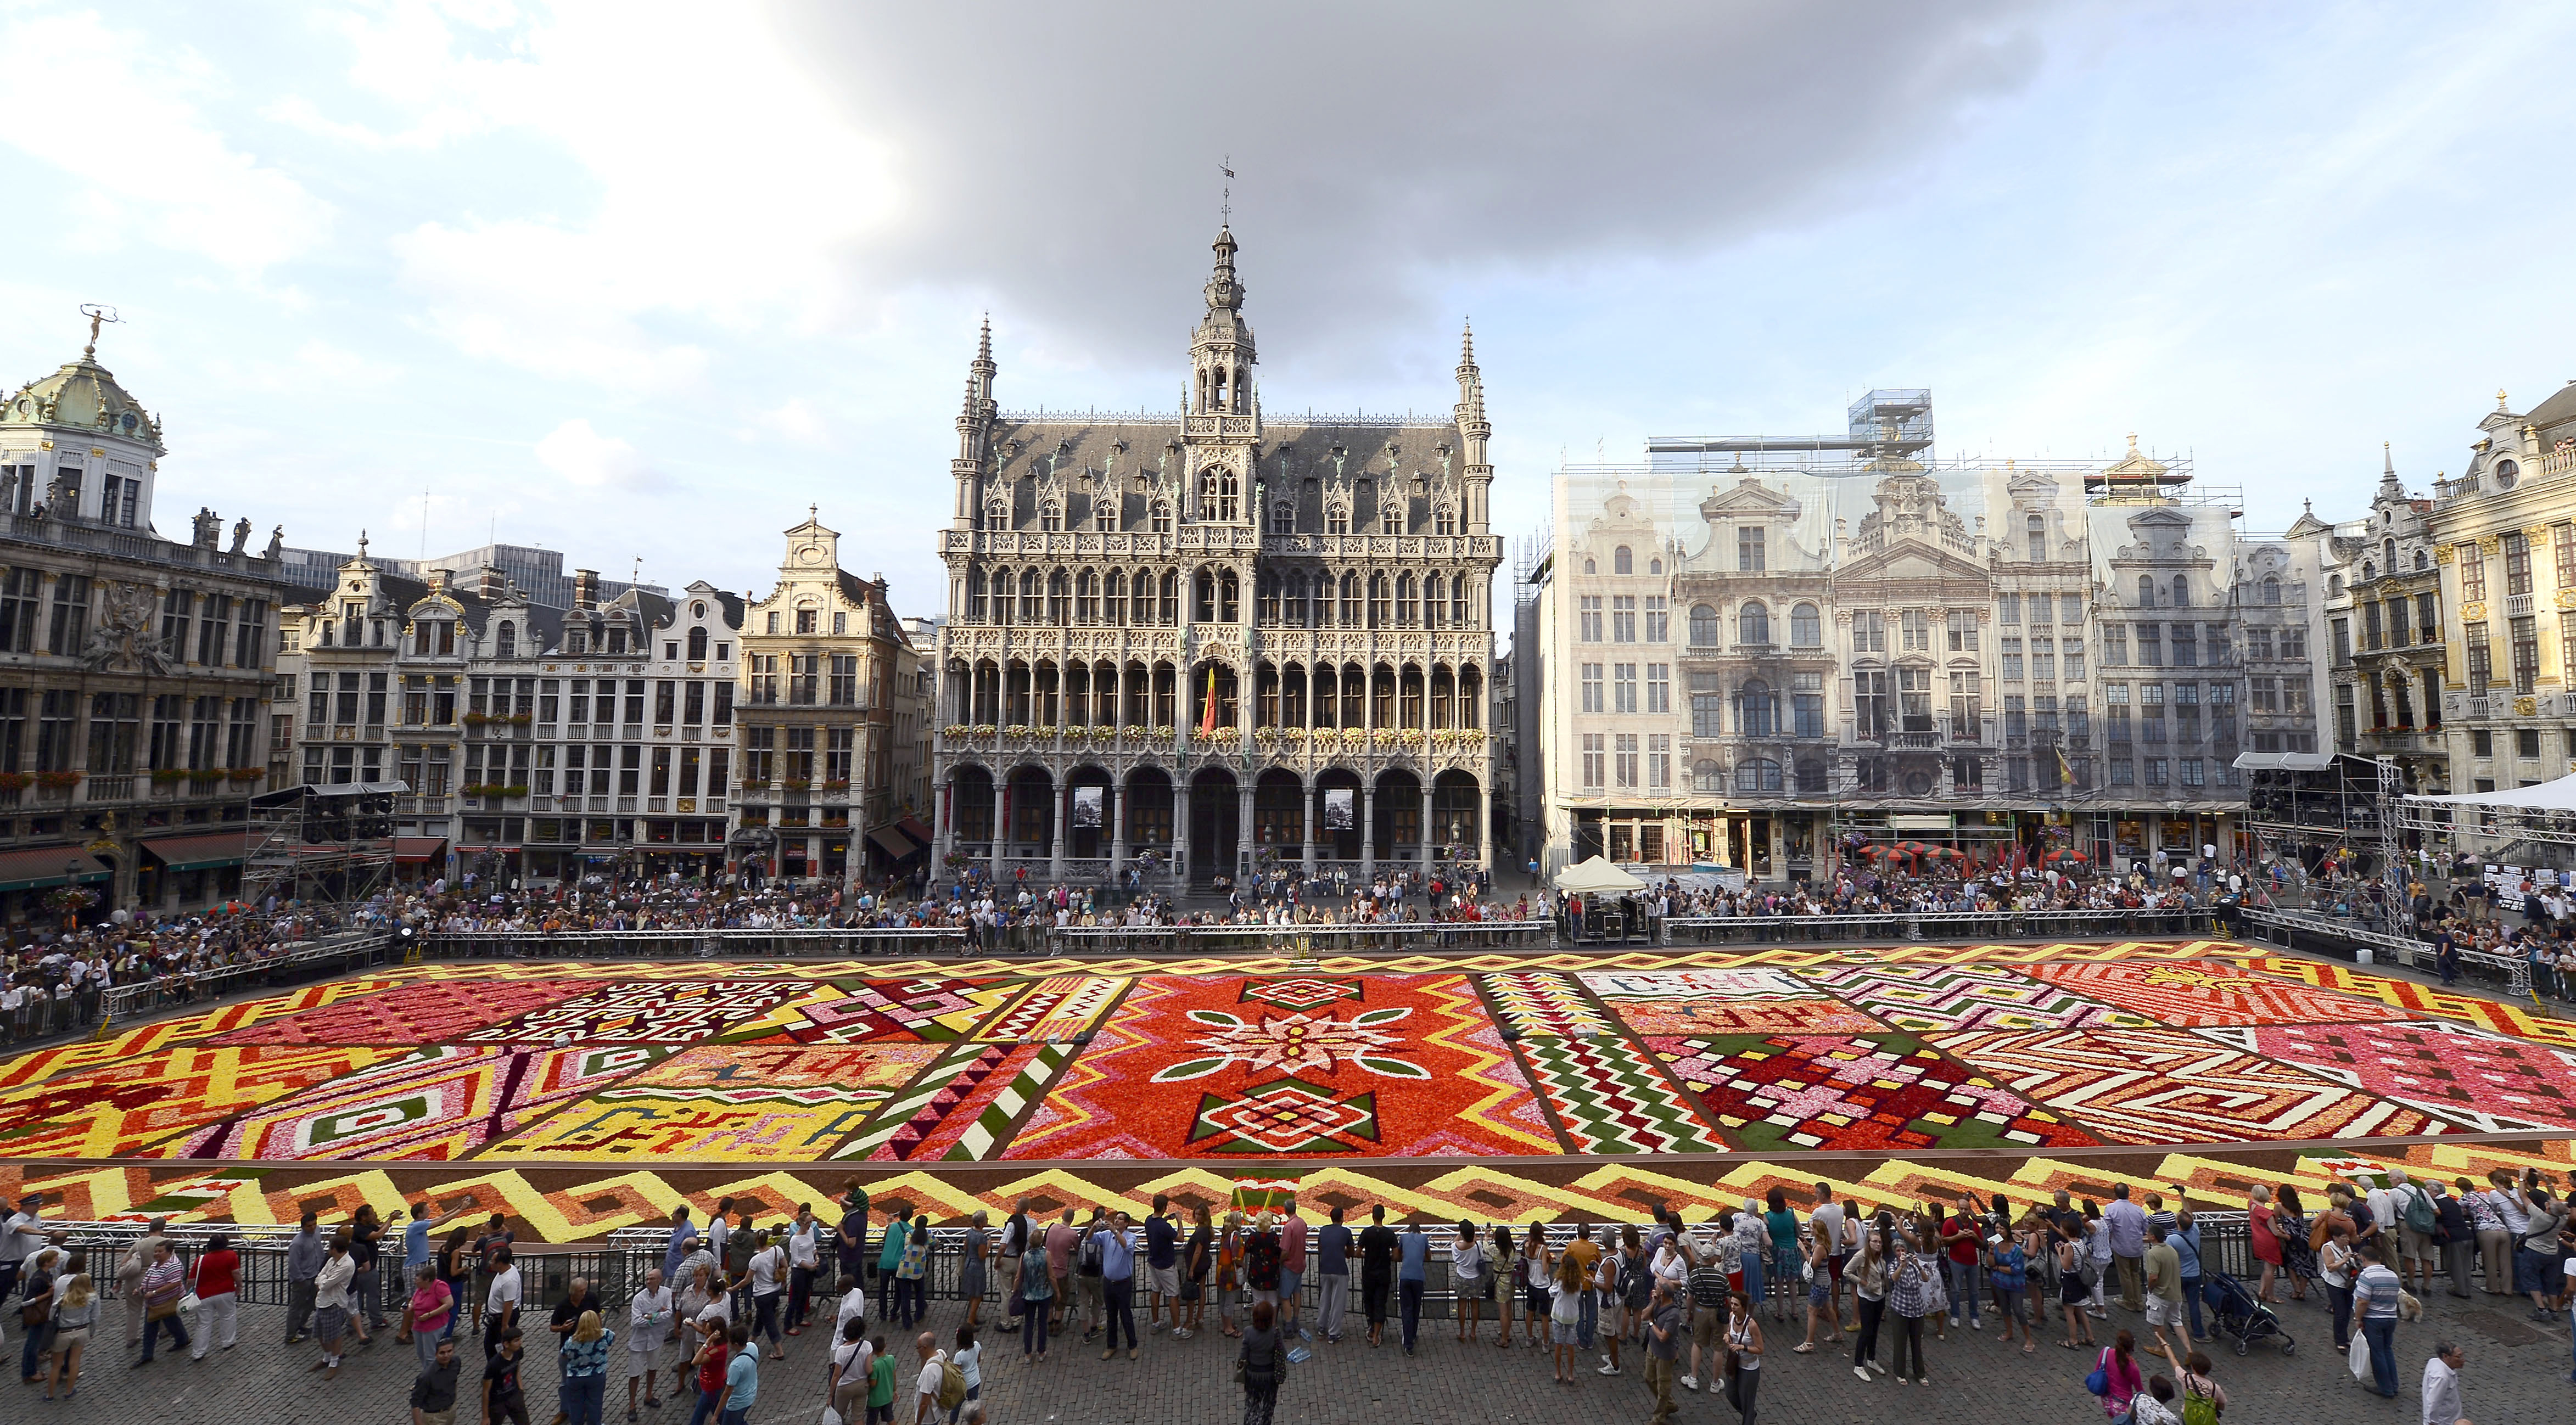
{"x": 1207, "y": 719}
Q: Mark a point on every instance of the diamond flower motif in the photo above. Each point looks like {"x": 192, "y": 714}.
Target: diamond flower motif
{"x": 1296, "y": 1043}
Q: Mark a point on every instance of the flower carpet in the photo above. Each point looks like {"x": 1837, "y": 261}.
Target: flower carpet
{"x": 1540, "y": 1057}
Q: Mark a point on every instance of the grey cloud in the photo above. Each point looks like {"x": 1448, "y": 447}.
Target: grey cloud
{"x": 1062, "y": 159}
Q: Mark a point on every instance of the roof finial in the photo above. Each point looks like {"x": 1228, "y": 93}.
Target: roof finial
{"x": 1225, "y": 205}
{"x": 362, "y": 544}
{"x": 814, "y": 513}
{"x": 2133, "y": 442}
{"x": 96, "y": 314}
{"x": 2500, "y": 405}
{"x": 1467, "y": 342}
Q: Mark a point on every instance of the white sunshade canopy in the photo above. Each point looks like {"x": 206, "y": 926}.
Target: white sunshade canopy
{"x": 1597, "y": 877}
{"x": 2557, "y": 796}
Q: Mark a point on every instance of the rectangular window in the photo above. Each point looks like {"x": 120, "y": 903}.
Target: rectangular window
{"x": 2347, "y": 716}
{"x": 2186, "y": 646}
{"x": 2263, "y": 694}
{"x": 1623, "y": 619}
{"x": 1869, "y": 705}
{"x": 1963, "y": 630}
{"x": 2258, "y": 642}
{"x": 1967, "y": 719}
{"x": 2481, "y": 743}
{"x": 1590, "y": 609}
{"x": 2008, "y": 608}
{"x": 1659, "y": 619}
{"x": 2155, "y": 771}
{"x": 2079, "y": 722}
{"x": 1592, "y": 701}
{"x": 2012, "y": 659}
{"x": 1869, "y": 631}
{"x": 1915, "y": 631}
{"x": 724, "y": 706}
{"x": 666, "y": 701}
{"x": 2480, "y": 659}
{"x": 1807, "y": 704}
{"x": 1596, "y": 760}
{"x": 2043, "y": 660}
{"x": 2073, "y": 648}
{"x": 2016, "y": 723}
{"x": 2191, "y": 772}
{"x": 1659, "y": 761}
{"x": 2428, "y": 618}
{"x": 2562, "y": 540}
{"x": 2342, "y": 631}
{"x": 1708, "y": 705}
{"x": 1623, "y": 687}
{"x": 839, "y": 743}
{"x": 71, "y": 616}
{"x": 1914, "y": 699}
{"x": 1627, "y": 760}
{"x": 1659, "y": 687}
{"x": 2525, "y": 634}
{"x": 2124, "y": 773}
{"x": 845, "y": 680}
{"x": 2373, "y": 637}
{"x": 2151, "y": 652}
{"x": 2115, "y": 712}
{"x": 2115, "y": 646}
{"x": 2473, "y": 571}
{"x": 2396, "y": 623}
{"x": 2151, "y": 711}
{"x": 1748, "y": 549}
{"x": 2517, "y": 564}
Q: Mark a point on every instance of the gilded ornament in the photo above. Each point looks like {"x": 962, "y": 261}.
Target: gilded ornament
{"x": 2471, "y": 613}
{"x": 2490, "y": 543}
{"x": 2441, "y": 554}
{"x": 2526, "y": 707}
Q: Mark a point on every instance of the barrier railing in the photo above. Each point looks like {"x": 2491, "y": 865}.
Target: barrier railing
{"x": 1935, "y": 925}
{"x": 335, "y": 954}
{"x": 767, "y": 944}
{"x": 2288, "y": 928}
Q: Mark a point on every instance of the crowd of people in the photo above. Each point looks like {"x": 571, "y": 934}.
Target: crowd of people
{"x": 2128, "y": 1283}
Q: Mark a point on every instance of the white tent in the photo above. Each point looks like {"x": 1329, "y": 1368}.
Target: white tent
{"x": 1597, "y": 877}
{"x": 2557, "y": 796}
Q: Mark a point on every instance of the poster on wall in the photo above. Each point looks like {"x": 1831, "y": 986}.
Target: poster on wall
{"x": 1086, "y": 808}
{"x": 1337, "y": 808}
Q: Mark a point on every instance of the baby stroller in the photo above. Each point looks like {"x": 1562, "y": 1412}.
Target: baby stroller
{"x": 2234, "y": 1312}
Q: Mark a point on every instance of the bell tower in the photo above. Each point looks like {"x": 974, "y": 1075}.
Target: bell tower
{"x": 1222, "y": 427}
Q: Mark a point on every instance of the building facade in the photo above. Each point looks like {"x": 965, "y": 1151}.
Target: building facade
{"x": 134, "y": 670}
{"x": 827, "y": 758}
{"x": 1767, "y": 655}
{"x": 1215, "y": 642}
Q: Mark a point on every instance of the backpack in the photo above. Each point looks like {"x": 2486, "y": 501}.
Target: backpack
{"x": 952, "y": 1384}
{"x": 2197, "y": 1409}
{"x": 1634, "y": 1283}
{"x": 2418, "y": 1212}
{"x": 1091, "y": 1254}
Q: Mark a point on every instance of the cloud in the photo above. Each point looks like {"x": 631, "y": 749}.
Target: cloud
{"x": 119, "y": 117}
{"x": 583, "y": 456}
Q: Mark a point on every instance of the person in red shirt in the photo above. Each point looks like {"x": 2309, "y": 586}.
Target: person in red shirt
{"x": 215, "y": 1282}
{"x": 1965, "y": 1237}
{"x": 712, "y": 1359}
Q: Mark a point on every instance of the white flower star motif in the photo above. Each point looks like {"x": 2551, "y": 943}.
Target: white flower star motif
{"x": 1295, "y": 1043}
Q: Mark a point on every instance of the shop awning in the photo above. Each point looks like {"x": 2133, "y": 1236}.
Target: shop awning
{"x": 913, "y": 827}
{"x": 43, "y": 866}
{"x": 417, "y": 850}
{"x": 194, "y": 853}
{"x": 890, "y": 840}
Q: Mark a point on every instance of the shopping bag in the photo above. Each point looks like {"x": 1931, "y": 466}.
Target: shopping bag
{"x": 2359, "y": 1356}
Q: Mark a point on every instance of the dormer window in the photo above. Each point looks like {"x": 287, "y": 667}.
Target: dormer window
{"x": 1051, "y": 517}
{"x": 505, "y": 641}
{"x": 805, "y": 620}
{"x": 1444, "y": 519}
{"x": 1161, "y": 519}
{"x": 1337, "y": 519}
{"x": 617, "y": 640}
{"x": 576, "y": 639}
{"x": 997, "y": 518}
{"x": 1283, "y": 517}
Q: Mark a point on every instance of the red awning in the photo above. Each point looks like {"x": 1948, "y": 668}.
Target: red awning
{"x": 892, "y": 842}
{"x": 190, "y": 853}
{"x": 912, "y": 826}
{"x": 43, "y": 866}
{"x": 416, "y": 850}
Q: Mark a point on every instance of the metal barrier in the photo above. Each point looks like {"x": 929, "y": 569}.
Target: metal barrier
{"x": 1914, "y": 926}
{"x": 784, "y": 943}
{"x": 337, "y": 954}
{"x": 2287, "y": 927}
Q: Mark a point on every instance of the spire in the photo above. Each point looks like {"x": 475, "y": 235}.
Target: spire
{"x": 2388, "y": 484}
{"x": 1223, "y": 291}
{"x": 1467, "y": 345}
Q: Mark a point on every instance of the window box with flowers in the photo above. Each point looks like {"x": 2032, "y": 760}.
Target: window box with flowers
{"x": 58, "y": 781}
{"x": 1222, "y": 737}
{"x": 13, "y": 783}
{"x": 754, "y": 784}
{"x": 957, "y": 732}
{"x": 164, "y": 776}
{"x": 514, "y": 789}
{"x": 246, "y": 774}
{"x": 476, "y": 719}
{"x": 797, "y": 784}
{"x": 836, "y": 784}
{"x": 1016, "y": 731}
{"x": 522, "y": 719}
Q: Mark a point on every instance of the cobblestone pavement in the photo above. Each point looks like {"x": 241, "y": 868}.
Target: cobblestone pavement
{"x": 2516, "y": 1375}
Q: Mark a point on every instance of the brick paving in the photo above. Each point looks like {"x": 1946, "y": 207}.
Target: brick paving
{"x": 2516, "y": 1374}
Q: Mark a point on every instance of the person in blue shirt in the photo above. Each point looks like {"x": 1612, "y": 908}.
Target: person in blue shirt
{"x": 1413, "y": 1267}
{"x": 2185, "y": 1240}
{"x": 1117, "y": 1245}
{"x": 1334, "y": 1244}
{"x": 416, "y": 1233}
{"x": 742, "y": 1378}
{"x": 684, "y": 1234}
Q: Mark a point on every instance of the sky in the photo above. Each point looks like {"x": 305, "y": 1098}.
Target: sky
{"x": 642, "y": 281}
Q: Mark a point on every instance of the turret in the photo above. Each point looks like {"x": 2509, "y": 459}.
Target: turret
{"x": 974, "y": 425}
{"x": 1221, "y": 351}
{"x": 1473, "y": 433}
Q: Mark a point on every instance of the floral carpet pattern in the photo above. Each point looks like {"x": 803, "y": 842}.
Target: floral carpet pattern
{"x": 976, "y": 1064}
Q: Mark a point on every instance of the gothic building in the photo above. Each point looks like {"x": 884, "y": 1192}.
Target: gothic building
{"x": 1215, "y": 641}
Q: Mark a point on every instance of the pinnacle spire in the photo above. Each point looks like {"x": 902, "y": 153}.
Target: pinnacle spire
{"x": 1467, "y": 344}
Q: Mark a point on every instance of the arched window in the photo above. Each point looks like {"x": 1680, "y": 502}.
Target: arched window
{"x": 1753, "y": 623}
{"x": 2421, "y": 560}
{"x": 1758, "y": 774}
{"x": 1283, "y": 517}
{"x": 1654, "y": 566}
{"x": 1380, "y": 614}
{"x": 1591, "y": 568}
{"x": 1408, "y": 610}
{"x": 1703, "y": 626}
{"x": 1432, "y": 604}
{"x": 1113, "y": 609}
{"x": 2334, "y": 583}
{"x": 1707, "y": 777}
{"x": 2369, "y": 571}
{"x": 2146, "y": 592}
{"x": 2038, "y": 528}
{"x": 2388, "y": 554}
{"x": 1086, "y": 597}
{"x": 1444, "y": 518}
{"x": 2272, "y": 590}
{"x": 1218, "y": 498}
{"x": 1458, "y": 603}
{"x": 1806, "y": 627}
{"x": 2182, "y": 591}
{"x": 1171, "y": 610}
{"x": 1161, "y": 518}
{"x": 1757, "y": 713}
{"x": 976, "y": 609}
{"x": 1622, "y": 562}
{"x": 1029, "y": 596}
{"x": 697, "y": 645}
{"x": 1350, "y": 615}
{"x": 997, "y": 516}
{"x": 1203, "y": 596}
{"x": 1058, "y": 604}
{"x": 505, "y": 643}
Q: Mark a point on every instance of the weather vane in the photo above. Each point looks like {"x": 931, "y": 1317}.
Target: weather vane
{"x": 1225, "y": 209}
{"x": 96, "y": 314}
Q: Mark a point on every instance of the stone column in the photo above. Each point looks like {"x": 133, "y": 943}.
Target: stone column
{"x": 1001, "y": 826}
{"x": 1429, "y": 828}
{"x": 1062, "y": 797}
{"x": 942, "y": 830}
{"x": 1485, "y": 822}
{"x": 1309, "y": 812}
{"x": 1368, "y": 826}
{"x": 1180, "y": 824}
{"x": 1118, "y": 841}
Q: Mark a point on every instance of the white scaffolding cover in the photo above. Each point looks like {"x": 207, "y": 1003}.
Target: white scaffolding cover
{"x": 2557, "y": 796}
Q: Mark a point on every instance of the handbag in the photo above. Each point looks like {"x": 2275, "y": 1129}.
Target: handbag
{"x": 2099, "y": 1382}
{"x": 160, "y": 1311}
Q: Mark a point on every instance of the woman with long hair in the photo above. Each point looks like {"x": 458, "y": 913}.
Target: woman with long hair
{"x": 585, "y": 1370}
{"x": 2119, "y": 1367}
{"x": 1744, "y": 1344}
{"x": 1909, "y": 1284}
{"x": 1502, "y": 1281}
{"x": 1263, "y": 1362}
{"x": 75, "y": 1312}
{"x": 2290, "y": 1227}
{"x": 1537, "y": 1265}
{"x": 1467, "y": 1278}
{"x": 455, "y": 1264}
{"x": 1565, "y": 1313}
{"x": 1868, "y": 1273}
{"x": 2265, "y": 1245}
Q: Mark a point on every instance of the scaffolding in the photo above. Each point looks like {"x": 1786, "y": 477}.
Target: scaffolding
{"x": 321, "y": 845}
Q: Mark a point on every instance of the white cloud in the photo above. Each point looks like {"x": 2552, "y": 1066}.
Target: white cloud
{"x": 583, "y": 456}
{"x": 118, "y": 116}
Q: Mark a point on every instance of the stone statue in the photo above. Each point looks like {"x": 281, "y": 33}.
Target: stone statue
{"x": 276, "y": 544}
{"x": 241, "y": 534}
{"x": 121, "y": 641}
{"x": 209, "y": 528}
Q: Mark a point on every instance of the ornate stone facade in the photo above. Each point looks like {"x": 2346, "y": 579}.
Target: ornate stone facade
{"x": 1215, "y": 642}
